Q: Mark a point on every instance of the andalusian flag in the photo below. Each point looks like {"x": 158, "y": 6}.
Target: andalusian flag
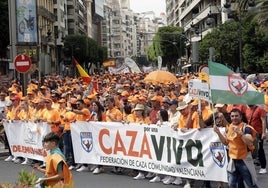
{"x": 82, "y": 72}
{"x": 229, "y": 88}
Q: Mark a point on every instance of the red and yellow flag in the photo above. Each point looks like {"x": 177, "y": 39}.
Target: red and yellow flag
{"x": 109, "y": 62}
{"x": 82, "y": 72}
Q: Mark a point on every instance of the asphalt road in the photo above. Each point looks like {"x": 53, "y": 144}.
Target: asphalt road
{"x": 9, "y": 173}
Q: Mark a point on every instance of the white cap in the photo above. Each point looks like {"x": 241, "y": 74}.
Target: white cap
{"x": 187, "y": 98}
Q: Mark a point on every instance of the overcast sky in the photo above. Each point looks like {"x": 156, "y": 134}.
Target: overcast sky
{"x": 157, "y": 6}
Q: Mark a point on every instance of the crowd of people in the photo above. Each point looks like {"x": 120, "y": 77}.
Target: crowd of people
{"x": 127, "y": 98}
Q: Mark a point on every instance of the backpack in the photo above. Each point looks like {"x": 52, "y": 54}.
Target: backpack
{"x": 253, "y": 134}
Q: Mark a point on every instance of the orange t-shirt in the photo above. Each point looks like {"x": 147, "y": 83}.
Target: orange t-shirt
{"x": 194, "y": 123}
{"x": 55, "y": 105}
{"x": 133, "y": 119}
{"x": 115, "y": 114}
{"x": 83, "y": 117}
{"x": 24, "y": 115}
{"x": 237, "y": 148}
{"x": 266, "y": 102}
{"x": 52, "y": 116}
{"x": 206, "y": 113}
{"x": 39, "y": 113}
{"x": 12, "y": 114}
{"x": 68, "y": 117}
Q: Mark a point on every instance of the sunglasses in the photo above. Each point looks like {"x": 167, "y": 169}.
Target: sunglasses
{"x": 234, "y": 115}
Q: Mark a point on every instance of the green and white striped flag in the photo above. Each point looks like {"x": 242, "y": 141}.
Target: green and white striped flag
{"x": 229, "y": 88}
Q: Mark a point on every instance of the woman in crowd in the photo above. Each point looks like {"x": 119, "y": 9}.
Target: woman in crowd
{"x": 139, "y": 117}
{"x": 97, "y": 114}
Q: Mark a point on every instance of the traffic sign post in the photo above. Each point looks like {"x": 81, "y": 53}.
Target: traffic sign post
{"x": 22, "y": 63}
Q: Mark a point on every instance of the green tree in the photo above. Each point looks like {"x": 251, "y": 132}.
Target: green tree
{"x": 168, "y": 43}
{"x": 255, "y": 48}
{"x": 225, "y": 40}
{"x": 84, "y": 49}
{"x": 4, "y": 34}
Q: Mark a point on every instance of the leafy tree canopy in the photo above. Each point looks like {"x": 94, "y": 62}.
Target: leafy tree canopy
{"x": 225, "y": 40}
{"x": 169, "y": 44}
{"x": 84, "y": 49}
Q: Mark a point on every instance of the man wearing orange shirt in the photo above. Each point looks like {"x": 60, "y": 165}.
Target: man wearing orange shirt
{"x": 44, "y": 92}
{"x": 52, "y": 117}
{"x": 67, "y": 117}
{"x": 82, "y": 114}
{"x": 239, "y": 138}
{"x": 112, "y": 113}
{"x": 39, "y": 108}
{"x": 12, "y": 114}
{"x": 23, "y": 112}
{"x": 55, "y": 98}
{"x": 14, "y": 110}
{"x": 189, "y": 119}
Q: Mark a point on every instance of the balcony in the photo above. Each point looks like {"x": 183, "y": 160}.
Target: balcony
{"x": 47, "y": 14}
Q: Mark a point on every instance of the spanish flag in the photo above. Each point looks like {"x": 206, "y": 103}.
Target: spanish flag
{"x": 109, "y": 62}
{"x": 82, "y": 72}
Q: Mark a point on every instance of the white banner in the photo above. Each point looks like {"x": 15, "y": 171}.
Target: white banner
{"x": 119, "y": 70}
{"x": 132, "y": 65}
{"x": 159, "y": 62}
{"x": 199, "y": 89}
{"x": 25, "y": 139}
{"x": 195, "y": 154}
{"x": 147, "y": 69}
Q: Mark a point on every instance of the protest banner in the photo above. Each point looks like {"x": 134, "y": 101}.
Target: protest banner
{"x": 196, "y": 154}
{"x": 199, "y": 89}
{"x": 25, "y": 139}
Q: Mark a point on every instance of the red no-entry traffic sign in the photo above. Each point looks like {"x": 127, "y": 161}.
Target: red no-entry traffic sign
{"x": 22, "y": 63}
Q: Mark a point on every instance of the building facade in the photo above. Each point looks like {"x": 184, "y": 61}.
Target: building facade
{"x": 125, "y": 33}
{"x": 197, "y": 18}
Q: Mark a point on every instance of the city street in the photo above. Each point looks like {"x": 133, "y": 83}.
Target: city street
{"x": 9, "y": 173}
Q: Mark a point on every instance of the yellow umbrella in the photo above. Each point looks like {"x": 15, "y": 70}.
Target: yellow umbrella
{"x": 160, "y": 77}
